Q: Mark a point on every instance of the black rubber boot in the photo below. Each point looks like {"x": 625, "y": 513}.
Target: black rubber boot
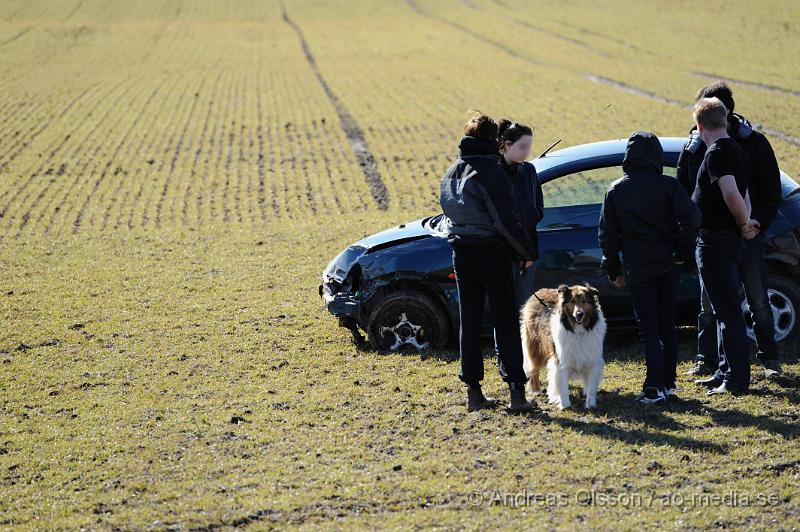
{"x": 518, "y": 403}
{"x": 477, "y": 401}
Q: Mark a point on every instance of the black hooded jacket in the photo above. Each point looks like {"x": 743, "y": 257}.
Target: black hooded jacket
{"x": 763, "y": 174}
{"x": 528, "y": 197}
{"x": 646, "y": 215}
{"x": 476, "y": 196}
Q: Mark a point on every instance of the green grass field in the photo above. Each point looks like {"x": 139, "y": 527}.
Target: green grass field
{"x": 175, "y": 175}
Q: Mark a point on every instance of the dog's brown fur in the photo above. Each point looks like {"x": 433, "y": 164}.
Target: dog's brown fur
{"x": 537, "y": 338}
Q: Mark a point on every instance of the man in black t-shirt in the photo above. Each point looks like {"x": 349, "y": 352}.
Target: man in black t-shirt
{"x": 721, "y": 195}
{"x": 723, "y": 157}
{"x": 764, "y": 188}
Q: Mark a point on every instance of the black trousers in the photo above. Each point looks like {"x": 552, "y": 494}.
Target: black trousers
{"x": 483, "y": 269}
{"x": 753, "y": 275}
{"x": 655, "y": 307}
{"x": 717, "y": 255}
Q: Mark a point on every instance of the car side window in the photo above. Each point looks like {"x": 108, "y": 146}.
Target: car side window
{"x": 580, "y": 188}
{"x": 585, "y": 187}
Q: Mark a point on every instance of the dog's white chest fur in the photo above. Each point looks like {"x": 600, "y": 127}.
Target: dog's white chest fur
{"x": 579, "y": 355}
{"x": 579, "y": 349}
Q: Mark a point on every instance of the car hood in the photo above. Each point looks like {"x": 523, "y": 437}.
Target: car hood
{"x": 340, "y": 266}
{"x": 395, "y": 235}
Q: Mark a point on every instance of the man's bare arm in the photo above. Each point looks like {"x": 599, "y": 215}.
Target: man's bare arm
{"x": 733, "y": 199}
{"x": 738, "y": 206}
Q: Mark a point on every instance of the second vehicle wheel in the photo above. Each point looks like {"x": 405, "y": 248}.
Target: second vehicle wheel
{"x": 407, "y": 317}
{"x": 784, "y": 298}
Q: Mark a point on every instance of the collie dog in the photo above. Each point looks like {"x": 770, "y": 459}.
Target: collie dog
{"x": 565, "y": 328}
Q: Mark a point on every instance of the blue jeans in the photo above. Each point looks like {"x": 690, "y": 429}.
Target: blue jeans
{"x": 753, "y": 274}
{"x": 655, "y": 306}
{"x": 523, "y": 288}
{"x": 717, "y": 255}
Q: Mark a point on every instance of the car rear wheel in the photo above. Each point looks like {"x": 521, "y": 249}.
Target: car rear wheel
{"x": 784, "y": 298}
{"x": 407, "y": 318}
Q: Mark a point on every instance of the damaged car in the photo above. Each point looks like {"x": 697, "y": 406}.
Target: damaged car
{"x": 398, "y": 285}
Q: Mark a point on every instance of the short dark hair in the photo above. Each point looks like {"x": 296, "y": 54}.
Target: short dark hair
{"x": 718, "y": 89}
{"x": 481, "y": 126}
{"x": 710, "y": 113}
{"x": 511, "y": 131}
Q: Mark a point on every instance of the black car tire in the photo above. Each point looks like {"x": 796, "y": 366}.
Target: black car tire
{"x": 420, "y": 310}
{"x": 785, "y": 299}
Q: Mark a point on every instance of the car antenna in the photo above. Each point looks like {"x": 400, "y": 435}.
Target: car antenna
{"x": 553, "y": 145}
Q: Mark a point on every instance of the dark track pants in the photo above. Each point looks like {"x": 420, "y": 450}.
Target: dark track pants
{"x": 481, "y": 272}
{"x": 655, "y": 307}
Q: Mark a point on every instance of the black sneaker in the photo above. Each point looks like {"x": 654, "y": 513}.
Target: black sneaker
{"x": 650, "y": 396}
{"x": 671, "y": 393}
{"x": 772, "y": 368}
{"x": 700, "y": 368}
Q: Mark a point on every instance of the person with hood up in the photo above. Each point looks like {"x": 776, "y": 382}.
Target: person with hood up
{"x": 650, "y": 219}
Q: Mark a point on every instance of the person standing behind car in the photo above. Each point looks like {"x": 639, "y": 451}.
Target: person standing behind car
{"x": 764, "y": 186}
{"x": 650, "y": 218}
{"x": 721, "y": 194}
{"x": 476, "y": 198}
{"x": 515, "y": 141}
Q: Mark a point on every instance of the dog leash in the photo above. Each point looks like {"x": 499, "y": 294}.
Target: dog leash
{"x": 539, "y": 299}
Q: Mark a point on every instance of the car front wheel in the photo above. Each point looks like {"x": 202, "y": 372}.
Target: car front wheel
{"x": 407, "y": 318}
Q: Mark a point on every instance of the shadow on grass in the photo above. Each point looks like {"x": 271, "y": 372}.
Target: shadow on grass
{"x": 636, "y": 436}
{"x": 739, "y": 418}
{"x": 623, "y": 344}
{"x": 620, "y": 407}
{"x": 790, "y": 390}
{"x": 448, "y": 355}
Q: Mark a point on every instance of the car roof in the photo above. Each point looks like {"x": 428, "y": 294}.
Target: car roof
{"x": 603, "y": 149}
{"x": 611, "y": 153}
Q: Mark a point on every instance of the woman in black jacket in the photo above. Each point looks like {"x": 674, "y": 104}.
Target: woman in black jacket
{"x": 487, "y": 237}
{"x": 515, "y": 142}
